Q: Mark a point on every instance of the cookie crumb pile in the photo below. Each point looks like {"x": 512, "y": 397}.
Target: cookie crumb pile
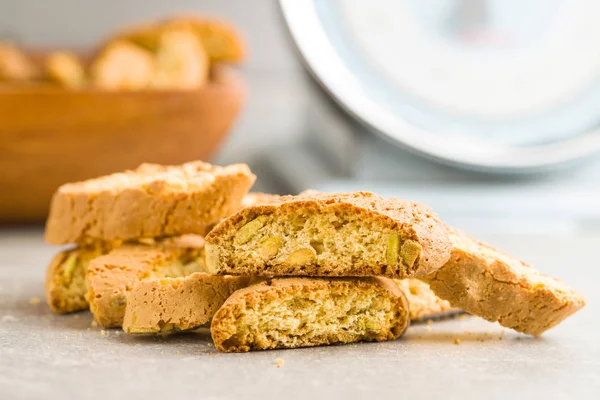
{"x": 170, "y": 248}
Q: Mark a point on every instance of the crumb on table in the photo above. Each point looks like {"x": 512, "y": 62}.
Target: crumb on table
{"x": 456, "y": 341}
{"x": 35, "y": 300}
{"x": 279, "y": 362}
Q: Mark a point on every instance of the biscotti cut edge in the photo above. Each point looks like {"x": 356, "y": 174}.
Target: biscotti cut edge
{"x": 301, "y": 312}
{"x": 343, "y": 234}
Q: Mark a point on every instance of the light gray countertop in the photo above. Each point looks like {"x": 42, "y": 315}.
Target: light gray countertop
{"x": 43, "y": 355}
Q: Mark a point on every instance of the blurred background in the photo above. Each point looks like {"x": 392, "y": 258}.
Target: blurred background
{"x": 485, "y": 110}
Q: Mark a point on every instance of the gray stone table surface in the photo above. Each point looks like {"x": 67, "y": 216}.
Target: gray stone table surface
{"x": 43, "y": 355}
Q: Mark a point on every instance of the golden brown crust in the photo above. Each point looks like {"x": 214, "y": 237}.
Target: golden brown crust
{"x": 151, "y": 201}
{"x": 493, "y": 285}
{"x": 111, "y": 277}
{"x": 424, "y": 304}
{"x": 300, "y": 312}
{"x": 176, "y": 304}
{"x": 352, "y": 231}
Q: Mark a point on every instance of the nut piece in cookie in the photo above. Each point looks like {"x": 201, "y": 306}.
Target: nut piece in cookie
{"x": 111, "y": 277}
{"x": 123, "y": 66}
{"x": 498, "y": 287}
{"x": 65, "y": 278}
{"x": 65, "y": 68}
{"x": 344, "y": 234}
{"x": 150, "y": 201}
{"x": 176, "y": 304}
{"x": 302, "y": 312}
{"x": 424, "y": 304}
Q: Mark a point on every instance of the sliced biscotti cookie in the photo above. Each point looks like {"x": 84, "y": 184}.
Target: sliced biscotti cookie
{"x": 221, "y": 41}
{"x": 150, "y": 201}
{"x": 65, "y": 287}
{"x": 177, "y": 304}
{"x": 111, "y": 277}
{"x": 344, "y": 234}
{"x": 498, "y": 287}
{"x": 424, "y": 304}
{"x": 302, "y": 312}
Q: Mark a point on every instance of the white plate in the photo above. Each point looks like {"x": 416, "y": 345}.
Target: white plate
{"x": 545, "y": 122}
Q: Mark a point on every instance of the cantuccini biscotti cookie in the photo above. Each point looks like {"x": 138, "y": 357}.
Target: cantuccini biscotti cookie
{"x": 301, "y": 312}
{"x": 221, "y": 41}
{"x": 15, "y": 64}
{"x": 111, "y": 277}
{"x": 181, "y": 61}
{"x": 65, "y": 68}
{"x": 65, "y": 278}
{"x": 151, "y": 201}
{"x": 423, "y": 301}
{"x": 123, "y": 66}
{"x": 344, "y": 234}
{"x": 498, "y": 287}
{"x": 65, "y": 286}
{"x": 176, "y": 304}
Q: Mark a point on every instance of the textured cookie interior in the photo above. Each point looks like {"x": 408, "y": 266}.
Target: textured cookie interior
{"x": 66, "y": 289}
{"x": 309, "y": 241}
{"x": 302, "y": 316}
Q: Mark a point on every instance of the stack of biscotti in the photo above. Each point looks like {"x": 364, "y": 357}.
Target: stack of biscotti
{"x": 276, "y": 271}
{"x": 138, "y": 260}
{"x": 137, "y": 226}
{"x": 347, "y": 235}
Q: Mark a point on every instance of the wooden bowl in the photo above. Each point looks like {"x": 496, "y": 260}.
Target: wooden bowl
{"x": 51, "y": 135}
